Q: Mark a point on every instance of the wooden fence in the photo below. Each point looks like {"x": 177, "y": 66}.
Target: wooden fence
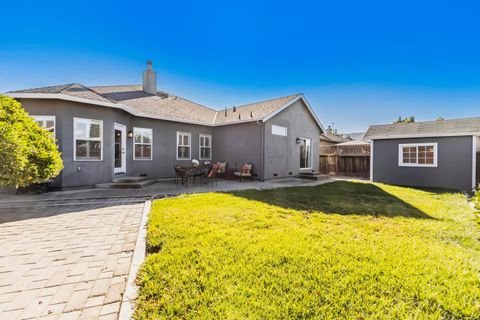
{"x": 345, "y": 165}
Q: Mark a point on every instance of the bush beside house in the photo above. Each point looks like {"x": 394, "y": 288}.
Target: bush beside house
{"x": 28, "y": 153}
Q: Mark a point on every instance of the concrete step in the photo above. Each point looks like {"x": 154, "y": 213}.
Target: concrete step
{"x": 129, "y": 179}
{"x": 138, "y": 184}
{"x": 312, "y": 176}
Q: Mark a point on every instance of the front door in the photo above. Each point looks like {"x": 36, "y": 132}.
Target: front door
{"x": 120, "y": 145}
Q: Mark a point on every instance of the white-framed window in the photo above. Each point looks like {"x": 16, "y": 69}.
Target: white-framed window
{"x": 205, "y": 143}
{"x": 88, "y": 139}
{"x": 417, "y": 154}
{"x": 142, "y": 144}
{"x": 184, "y": 145}
{"x": 46, "y": 122}
{"x": 279, "y": 130}
{"x": 305, "y": 153}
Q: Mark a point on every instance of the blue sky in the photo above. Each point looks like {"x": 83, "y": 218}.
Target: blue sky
{"x": 358, "y": 62}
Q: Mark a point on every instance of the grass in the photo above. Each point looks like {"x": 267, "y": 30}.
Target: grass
{"x": 340, "y": 250}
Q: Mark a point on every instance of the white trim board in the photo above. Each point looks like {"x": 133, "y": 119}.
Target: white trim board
{"x": 429, "y": 135}
{"x": 474, "y": 162}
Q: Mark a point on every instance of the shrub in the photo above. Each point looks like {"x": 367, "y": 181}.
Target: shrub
{"x": 28, "y": 153}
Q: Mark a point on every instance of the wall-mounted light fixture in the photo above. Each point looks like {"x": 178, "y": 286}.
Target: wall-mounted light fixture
{"x": 130, "y": 134}
{"x": 298, "y": 140}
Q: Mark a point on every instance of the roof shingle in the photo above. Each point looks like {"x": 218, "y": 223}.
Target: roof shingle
{"x": 441, "y": 127}
{"x": 165, "y": 105}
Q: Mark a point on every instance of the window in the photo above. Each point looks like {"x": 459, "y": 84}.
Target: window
{"x": 279, "y": 131}
{"x": 142, "y": 144}
{"x": 205, "y": 147}
{"x": 47, "y": 123}
{"x": 305, "y": 153}
{"x": 417, "y": 155}
{"x": 88, "y": 135}
{"x": 183, "y": 145}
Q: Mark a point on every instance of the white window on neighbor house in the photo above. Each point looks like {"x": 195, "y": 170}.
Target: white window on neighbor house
{"x": 305, "y": 153}
{"x": 142, "y": 143}
{"x": 47, "y": 123}
{"x": 417, "y": 155}
{"x": 184, "y": 145}
{"x": 205, "y": 144}
{"x": 88, "y": 139}
{"x": 279, "y": 131}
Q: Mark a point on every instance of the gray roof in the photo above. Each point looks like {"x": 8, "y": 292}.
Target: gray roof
{"x": 166, "y": 105}
{"x": 427, "y": 128}
{"x": 332, "y": 137}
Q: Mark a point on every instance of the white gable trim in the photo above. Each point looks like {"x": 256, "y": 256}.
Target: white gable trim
{"x": 289, "y": 103}
{"x": 426, "y": 135}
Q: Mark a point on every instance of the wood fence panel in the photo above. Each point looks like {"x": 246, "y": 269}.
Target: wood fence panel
{"x": 345, "y": 165}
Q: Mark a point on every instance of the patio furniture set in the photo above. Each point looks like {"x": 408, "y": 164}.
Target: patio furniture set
{"x": 197, "y": 175}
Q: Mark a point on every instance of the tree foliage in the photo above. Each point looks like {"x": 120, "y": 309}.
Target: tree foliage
{"x": 405, "y": 120}
{"x": 28, "y": 153}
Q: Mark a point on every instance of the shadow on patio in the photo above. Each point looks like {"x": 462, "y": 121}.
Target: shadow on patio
{"x": 340, "y": 197}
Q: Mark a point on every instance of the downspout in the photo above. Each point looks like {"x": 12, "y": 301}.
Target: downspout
{"x": 259, "y": 122}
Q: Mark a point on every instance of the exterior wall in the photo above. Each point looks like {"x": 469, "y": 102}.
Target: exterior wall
{"x": 87, "y": 173}
{"x": 454, "y": 170}
{"x": 238, "y": 144}
{"x": 282, "y": 154}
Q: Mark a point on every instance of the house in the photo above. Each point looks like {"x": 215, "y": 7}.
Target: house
{"x": 105, "y": 132}
{"x": 440, "y": 154}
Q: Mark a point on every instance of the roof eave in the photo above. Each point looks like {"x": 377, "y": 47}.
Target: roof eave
{"x": 425, "y": 135}
{"x": 61, "y": 96}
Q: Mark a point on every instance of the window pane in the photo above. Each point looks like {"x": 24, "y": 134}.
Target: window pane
{"x": 147, "y": 151}
{"x": 81, "y": 130}
{"x": 81, "y": 148}
{"x": 138, "y": 151}
{"x": 95, "y": 149}
{"x": 202, "y": 141}
{"x": 147, "y": 137}
{"x": 185, "y": 140}
{"x": 138, "y": 136}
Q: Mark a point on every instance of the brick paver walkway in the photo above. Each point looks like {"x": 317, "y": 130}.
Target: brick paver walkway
{"x": 66, "y": 260}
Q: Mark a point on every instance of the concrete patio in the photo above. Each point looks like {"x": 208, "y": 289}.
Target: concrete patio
{"x": 163, "y": 188}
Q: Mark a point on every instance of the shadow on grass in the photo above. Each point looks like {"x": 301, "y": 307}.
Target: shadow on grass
{"x": 340, "y": 197}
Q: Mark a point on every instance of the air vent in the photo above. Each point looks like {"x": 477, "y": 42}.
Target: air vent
{"x": 275, "y": 174}
{"x": 290, "y": 173}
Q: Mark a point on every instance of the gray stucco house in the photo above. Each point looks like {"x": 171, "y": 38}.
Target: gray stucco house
{"x": 440, "y": 154}
{"x": 105, "y": 132}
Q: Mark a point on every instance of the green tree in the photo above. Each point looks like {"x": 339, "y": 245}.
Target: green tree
{"x": 405, "y": 120}
{"x": 28, "y": 153}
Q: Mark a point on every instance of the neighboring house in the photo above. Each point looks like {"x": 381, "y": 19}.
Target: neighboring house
{"x": 439, "y": 153}
{"x": 109, "y": 131}
{"x": 330, "y": 138}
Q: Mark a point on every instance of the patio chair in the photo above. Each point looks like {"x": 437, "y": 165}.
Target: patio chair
{"x": 181, "y": 174}
{"x": 245, "y": 172}
{"x": 212, "y": 175}
{"x": 222, "y": 169}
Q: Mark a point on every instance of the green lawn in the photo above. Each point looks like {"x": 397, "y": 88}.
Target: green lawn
{"x": 340, "y": 250}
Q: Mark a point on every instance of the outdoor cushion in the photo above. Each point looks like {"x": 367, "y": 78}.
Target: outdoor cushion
{"x": 222, "y": 166}
{"x": 246, "y": 168}
{"x": 214, "y": 170}
{"x": 242, "y": 174}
